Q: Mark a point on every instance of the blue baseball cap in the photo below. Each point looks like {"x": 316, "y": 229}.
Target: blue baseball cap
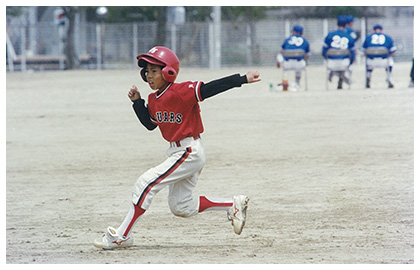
{"x": 298, "y": 29}
{"x": 350, "y": 18}
{"x": 377, "y": 26}
{"x": 341, "y": 20}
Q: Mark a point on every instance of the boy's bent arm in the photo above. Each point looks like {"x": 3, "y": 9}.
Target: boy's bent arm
{"x": 143, "y": 114}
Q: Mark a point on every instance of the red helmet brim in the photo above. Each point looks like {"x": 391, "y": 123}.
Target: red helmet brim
{"x": 143, "y": 59}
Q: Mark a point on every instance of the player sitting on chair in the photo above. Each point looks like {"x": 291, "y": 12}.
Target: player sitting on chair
{"x": 294, "y": 53}
{"x": 379, "y": 49}
{"x": 339, "y": 41}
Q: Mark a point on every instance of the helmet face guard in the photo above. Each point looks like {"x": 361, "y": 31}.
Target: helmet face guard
{"x": 160, "y": 56}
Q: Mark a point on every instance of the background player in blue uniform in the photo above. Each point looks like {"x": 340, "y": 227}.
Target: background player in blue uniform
{"x": 339, "y": 39}
{"x": 295, "y": 41}
{"x": 349, "y": 27}
{"x": 379, "y": 39}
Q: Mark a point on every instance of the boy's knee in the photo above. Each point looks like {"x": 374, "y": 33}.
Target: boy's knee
{"x": 179, "y": 212}
{"x": 181, "y": 208}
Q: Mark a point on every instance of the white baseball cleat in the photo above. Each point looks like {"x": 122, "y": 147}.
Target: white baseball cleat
{"x": 111, "y": 240}
{"x": 237, "y": 213}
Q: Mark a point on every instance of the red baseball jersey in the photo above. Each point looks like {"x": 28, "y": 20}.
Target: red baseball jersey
{"x": 176, "y": 111}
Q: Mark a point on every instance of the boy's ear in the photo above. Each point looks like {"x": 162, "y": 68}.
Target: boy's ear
{"x": 169, "y": 74}
{"x": 143, "y": 74}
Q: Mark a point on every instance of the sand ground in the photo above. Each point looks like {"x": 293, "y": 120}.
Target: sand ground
{"x": 330, "y": 173}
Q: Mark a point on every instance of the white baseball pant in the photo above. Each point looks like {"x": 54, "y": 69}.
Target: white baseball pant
{"x": 180, "y": 172}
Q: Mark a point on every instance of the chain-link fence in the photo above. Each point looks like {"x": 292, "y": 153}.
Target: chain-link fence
{"x": 110, "y": 46}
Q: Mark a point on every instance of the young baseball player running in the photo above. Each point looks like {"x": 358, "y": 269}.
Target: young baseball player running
{"x": 174, "y": 108}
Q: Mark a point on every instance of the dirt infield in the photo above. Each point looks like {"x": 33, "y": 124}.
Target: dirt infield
{"x": 330, "y": 173}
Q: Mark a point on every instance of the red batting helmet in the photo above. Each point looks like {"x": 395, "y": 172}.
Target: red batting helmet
{"x": 160, "y": 56}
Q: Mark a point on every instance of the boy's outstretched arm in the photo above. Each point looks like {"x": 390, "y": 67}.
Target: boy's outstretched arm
{"x": 218, "y": 86}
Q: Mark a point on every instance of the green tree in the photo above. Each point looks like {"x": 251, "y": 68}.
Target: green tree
{"x": 233, "y": 13}
{"x": 198, "y": 14}
{"x": 249, "y": 16}
{"x": 14, "y": 11}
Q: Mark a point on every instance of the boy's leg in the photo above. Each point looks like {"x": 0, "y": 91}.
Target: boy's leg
{"x": 182, "y": 203}
{"x": 175, "y": 168}
{"x": 180, "y": 199}
{"x": 130, "y": 220}
{"x": 209, "y": 204}
{"x": 179, "y": 166}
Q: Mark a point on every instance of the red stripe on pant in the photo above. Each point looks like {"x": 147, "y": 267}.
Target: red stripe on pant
{"x": 163, "y": 176}
{"x": 137, "y": 213}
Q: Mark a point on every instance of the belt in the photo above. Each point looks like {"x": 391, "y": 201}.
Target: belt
{"x": 188, "y": 139}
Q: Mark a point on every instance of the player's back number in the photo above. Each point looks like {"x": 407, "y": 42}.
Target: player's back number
{"x": 297, "y": 41}
{"x": 340, "y": 42}
{"x": 378, "y": 39}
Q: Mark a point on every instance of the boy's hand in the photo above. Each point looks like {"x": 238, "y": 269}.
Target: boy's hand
{"x": 253, "y": 76}
{"x": 134, "y": 93}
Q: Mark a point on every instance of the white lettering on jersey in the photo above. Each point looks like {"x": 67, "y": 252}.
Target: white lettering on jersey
{"x": 340, "y": 42}
{"x": 297, "y": 41}
{"x": 169, "y": 117}
{"x": 378, "y": 39}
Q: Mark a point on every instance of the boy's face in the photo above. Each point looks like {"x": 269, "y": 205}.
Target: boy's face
{"x": 154, "y": 77}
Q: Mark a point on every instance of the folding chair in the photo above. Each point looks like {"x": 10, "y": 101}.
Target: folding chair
{"x": 337, "y": 66}
{"x": 378, "y": 61}
{"x": 294, "y": 64}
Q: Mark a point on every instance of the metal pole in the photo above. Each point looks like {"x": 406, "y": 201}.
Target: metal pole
{"x": 173, "y": 38}
{"x": 362, "y": 37}
{"x": 217, "y": 36}
{"x": 363, "y": 28}
{"x": 23, "y": 49}
{"x": 211, "y": 46}
{"x": 98, "y": 47}
{"x": 61, "y": 47}
{"x": 325, "y": 27}
{"x": 286, "y": 28}
{"x": 135, "y": 43}
{"x": 11, "y": 55}
{"x": 248, "y": 45}
{"x": 33, "y": 12}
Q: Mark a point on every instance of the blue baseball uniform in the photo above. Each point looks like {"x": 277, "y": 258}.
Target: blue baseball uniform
{"x": 349, "y": 26}
{"x": 296, "y": 41}
{"x": 292, "y": 61}
{"x": 338, "y": 39}
{"x": 378, "y": 39}
{"x": 351, "y": 32}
